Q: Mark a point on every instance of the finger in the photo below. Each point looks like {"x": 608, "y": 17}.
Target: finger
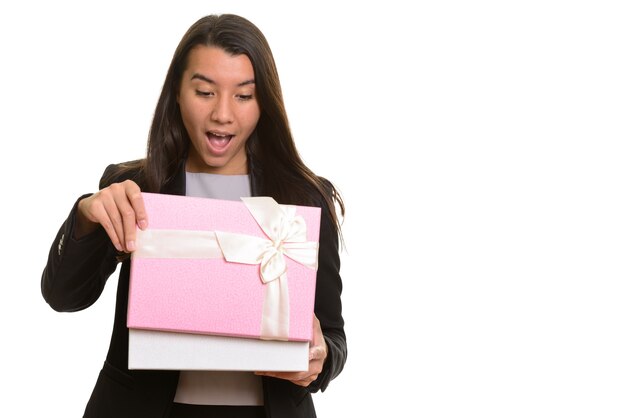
{"x": 114, "y": 219}
{"x": 317, "y": 352}
{"x": 318, "y": 349}
{"x": 99, "y": 214}
{"x": 128, "y": 221}
{"x": 136, "y": 200}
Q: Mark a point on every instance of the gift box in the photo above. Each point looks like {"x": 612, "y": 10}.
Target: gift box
{"x": 236, "y": 278}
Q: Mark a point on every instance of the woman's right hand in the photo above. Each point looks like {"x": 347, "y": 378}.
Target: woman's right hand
{"x": 119, "y": 209}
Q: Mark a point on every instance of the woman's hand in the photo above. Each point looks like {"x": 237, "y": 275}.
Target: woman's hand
{"x": 317, "y": 355}
{"x": 118, "y": 208}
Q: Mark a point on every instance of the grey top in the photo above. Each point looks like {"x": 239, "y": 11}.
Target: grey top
{"x": 218, "y": 387}
{"x": 218, "y": 186}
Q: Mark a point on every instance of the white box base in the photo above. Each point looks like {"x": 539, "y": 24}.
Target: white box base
{"x": 157, "y": 350}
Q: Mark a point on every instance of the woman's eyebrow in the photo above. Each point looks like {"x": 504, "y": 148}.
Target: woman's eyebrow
{"x": 197, "y": 76}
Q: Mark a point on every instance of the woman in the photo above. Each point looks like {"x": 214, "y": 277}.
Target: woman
{"x": 220, "y": 117}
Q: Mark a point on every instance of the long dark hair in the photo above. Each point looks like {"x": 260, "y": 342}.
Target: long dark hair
{"x": 278, "y": 168}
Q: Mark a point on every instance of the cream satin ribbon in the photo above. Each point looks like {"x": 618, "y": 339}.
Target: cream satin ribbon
{"x": 287, "y": 237}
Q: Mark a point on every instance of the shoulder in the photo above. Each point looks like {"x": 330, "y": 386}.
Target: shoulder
{"x": 117, "y": 173}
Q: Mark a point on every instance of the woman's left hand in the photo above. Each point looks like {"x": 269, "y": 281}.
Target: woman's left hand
{"x": 317, "y": 355}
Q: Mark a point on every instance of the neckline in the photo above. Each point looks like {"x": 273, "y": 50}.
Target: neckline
{"x": 216, "y": 175}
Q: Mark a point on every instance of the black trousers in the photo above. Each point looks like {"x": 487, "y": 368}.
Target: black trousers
{"x": 181, "y": 410}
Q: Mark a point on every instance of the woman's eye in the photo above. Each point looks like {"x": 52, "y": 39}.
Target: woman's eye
{"x": 204, "y": 93}
{"x": 244, "y": 97}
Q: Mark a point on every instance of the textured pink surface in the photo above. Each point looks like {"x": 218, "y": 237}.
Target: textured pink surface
{"x": 213, "y": 296}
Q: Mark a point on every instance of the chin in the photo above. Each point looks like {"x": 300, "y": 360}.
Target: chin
{"x": 213, "y": 165}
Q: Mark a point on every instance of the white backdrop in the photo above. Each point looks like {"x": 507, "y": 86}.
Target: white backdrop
{"x": 480, "y": 150}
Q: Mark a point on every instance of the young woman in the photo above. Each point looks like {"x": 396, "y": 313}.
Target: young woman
{"x": 219, "y": 128}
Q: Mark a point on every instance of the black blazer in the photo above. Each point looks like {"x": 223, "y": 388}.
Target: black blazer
{"x": 74, "y": 278}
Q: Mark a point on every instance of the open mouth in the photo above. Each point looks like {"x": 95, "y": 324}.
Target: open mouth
{"x": 218, "y": 140}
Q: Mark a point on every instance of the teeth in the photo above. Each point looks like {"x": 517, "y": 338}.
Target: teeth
{"x": 220, "y": 135}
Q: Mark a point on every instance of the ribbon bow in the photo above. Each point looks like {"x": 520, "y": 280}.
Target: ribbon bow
{"x": 287, "y": 237}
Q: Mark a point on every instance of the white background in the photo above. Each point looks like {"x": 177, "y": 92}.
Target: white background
{"x": 480, "y": 150}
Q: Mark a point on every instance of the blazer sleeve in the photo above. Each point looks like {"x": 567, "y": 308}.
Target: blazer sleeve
{"x": 328, "y": 303}
{"x": 77, "y": 270}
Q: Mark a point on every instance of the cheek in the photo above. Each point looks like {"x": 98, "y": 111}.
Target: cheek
{"x": 190, "y": 115}
{"x": 252, "y": 118}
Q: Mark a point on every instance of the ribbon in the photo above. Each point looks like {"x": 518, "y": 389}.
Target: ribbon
{"x": 287, "y": 237}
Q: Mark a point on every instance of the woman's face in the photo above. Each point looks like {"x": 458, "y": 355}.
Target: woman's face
{"x": 219, "y": 109}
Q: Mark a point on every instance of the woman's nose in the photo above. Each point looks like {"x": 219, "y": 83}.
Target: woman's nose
{"x": 222, "y": 111}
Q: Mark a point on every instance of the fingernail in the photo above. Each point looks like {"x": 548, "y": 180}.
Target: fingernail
{"x": 143, "y": 224}
{"x": 130, "y": 245}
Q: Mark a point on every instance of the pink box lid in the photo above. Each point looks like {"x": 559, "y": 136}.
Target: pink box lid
{"x": 214, "y": 296}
